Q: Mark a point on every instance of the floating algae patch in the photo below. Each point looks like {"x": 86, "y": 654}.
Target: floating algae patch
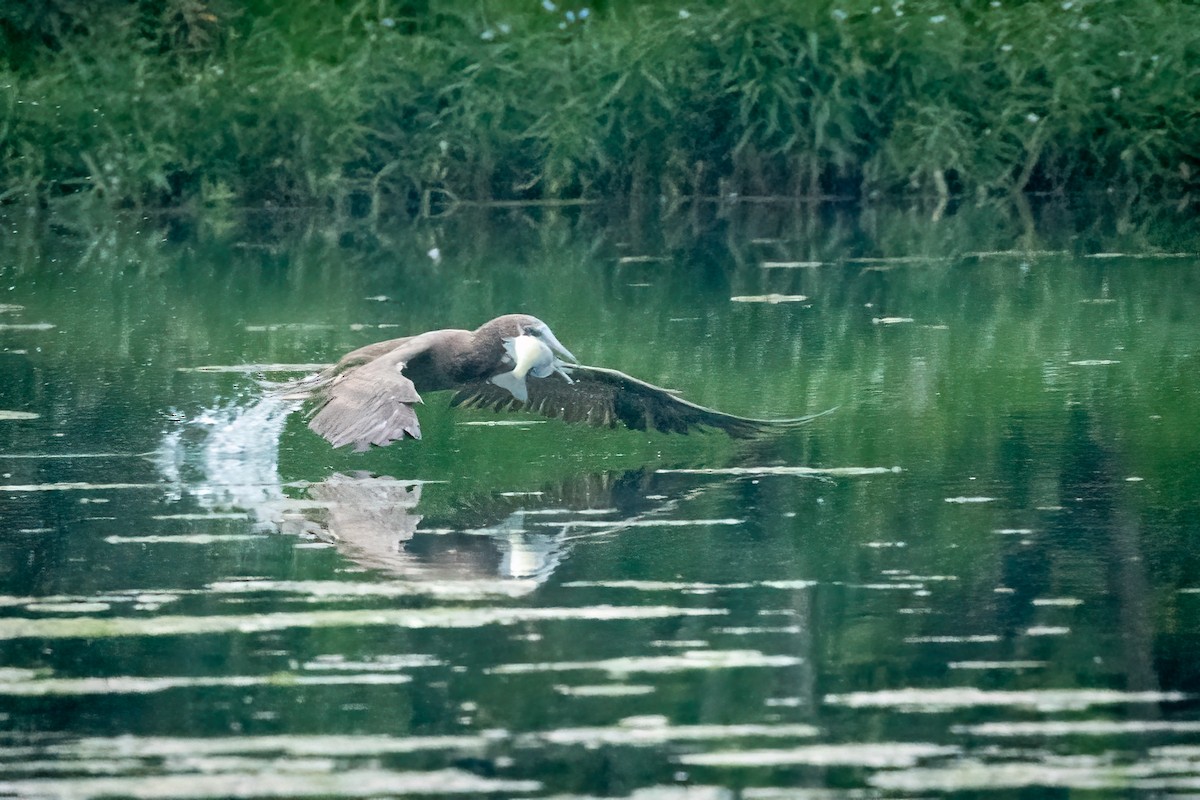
{"x": 291, "y": 326}
{"x": 641, "y": 523}
{"x": 905, "y": 575}
{"x": 1079, "y": 727}
{"x": 299, "y": 746}
{"x": 69, "y": 456}
{"x": 96, "y": 628}
{"x": 382, "y": 663}
{"x": 604, "y": 690}
{"x": 203, "y": 517}
{"x": 365, "y": 782}
{"x": 753, "y": 630}
{"x": 1013, "y": 253}
{"x": 60, "y": 603}
{"x": 1085, "y": 773}
{"x": 692, "y": 659}
{"x": 641, "y": 259}
{"x": 323, "y": 591}
{"x": 252, "y": 368}
{"x": 27, "y": 326}
{"x": 769, "y": 298}
{"x": 654, "y": 731}
{"x": 17, "y": 415}
{"x": 26, "y": 764}
{"x": 997, "y": 665}
{"x": 895, "y": 260}
{"x": 850, "y": 754}
{"x": 1047, "y": 630}
{"x": 81, "y": 607}
{"x": 886, "y": 586}
{"x": 688, "y": 586}
{"x": 74, "y": 486}
{"x": 833, "y": 472}
{"x": 657, "y": 586}
{"x": 970, "y": 697}
{"x": 129, "y": 684}
{"x": 183, "y": 538}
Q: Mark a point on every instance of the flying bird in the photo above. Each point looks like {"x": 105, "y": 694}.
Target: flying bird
{"x": 510, "y": 363}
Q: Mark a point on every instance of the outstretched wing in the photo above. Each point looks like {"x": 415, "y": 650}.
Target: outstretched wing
{"x": 370, "y": 404}
{"x": 605, "y": 397}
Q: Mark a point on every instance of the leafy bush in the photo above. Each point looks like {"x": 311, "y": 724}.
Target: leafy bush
{"x": 184, "y": 101}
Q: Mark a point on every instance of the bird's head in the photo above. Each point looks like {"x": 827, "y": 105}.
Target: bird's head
{"x": 512, "y": 325}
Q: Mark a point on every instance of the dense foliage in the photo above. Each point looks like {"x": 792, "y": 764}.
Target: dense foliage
{"x": 401, "y": 102}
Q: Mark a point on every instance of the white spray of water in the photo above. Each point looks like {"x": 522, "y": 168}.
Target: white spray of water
{"x": 227, "y": 457}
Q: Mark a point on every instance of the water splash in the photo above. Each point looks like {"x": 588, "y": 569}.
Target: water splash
{"x": 227, "y": 458}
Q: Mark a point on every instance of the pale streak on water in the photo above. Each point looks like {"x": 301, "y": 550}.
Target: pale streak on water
{"x": 305, "y": 779}
{"x": 800, "y": 471}
{"x": 90, "y": 627}
{"x": 27, "y": 326}
{"x": 690, "y": 660}
{"x": 771, "y": 299}
{"x": 249, "y": 369}
{"x": 930, "y": 700}
{"x": 877, "y": 755}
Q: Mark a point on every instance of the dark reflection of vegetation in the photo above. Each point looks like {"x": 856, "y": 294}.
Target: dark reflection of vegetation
{"x": 404, "y": 103}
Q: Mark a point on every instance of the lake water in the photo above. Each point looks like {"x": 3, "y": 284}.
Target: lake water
{"x": 979, "y": 575}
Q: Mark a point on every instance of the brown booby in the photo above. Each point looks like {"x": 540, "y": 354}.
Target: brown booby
{"x": 367, "y": 397}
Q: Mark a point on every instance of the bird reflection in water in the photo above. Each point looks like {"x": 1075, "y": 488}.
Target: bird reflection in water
{"x": 373, "y": 521}
{"x": 522, "y": 537}
{"x": 226, "y": 459}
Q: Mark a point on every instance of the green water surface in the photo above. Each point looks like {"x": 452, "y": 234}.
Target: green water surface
{"x": 979, "y": 575}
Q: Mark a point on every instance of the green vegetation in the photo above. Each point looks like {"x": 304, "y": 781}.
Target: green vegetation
{"x": 404, "y": 104}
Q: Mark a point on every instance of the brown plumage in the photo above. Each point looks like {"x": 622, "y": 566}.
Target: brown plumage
{"x": 368, "y": 396}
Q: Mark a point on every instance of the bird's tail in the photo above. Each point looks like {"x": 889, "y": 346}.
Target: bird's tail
{"x": 299, "y": 388}
{"x": 514, "y": 385}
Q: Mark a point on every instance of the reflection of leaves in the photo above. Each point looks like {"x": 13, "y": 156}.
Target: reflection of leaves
{"x": 625, "y": 493}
